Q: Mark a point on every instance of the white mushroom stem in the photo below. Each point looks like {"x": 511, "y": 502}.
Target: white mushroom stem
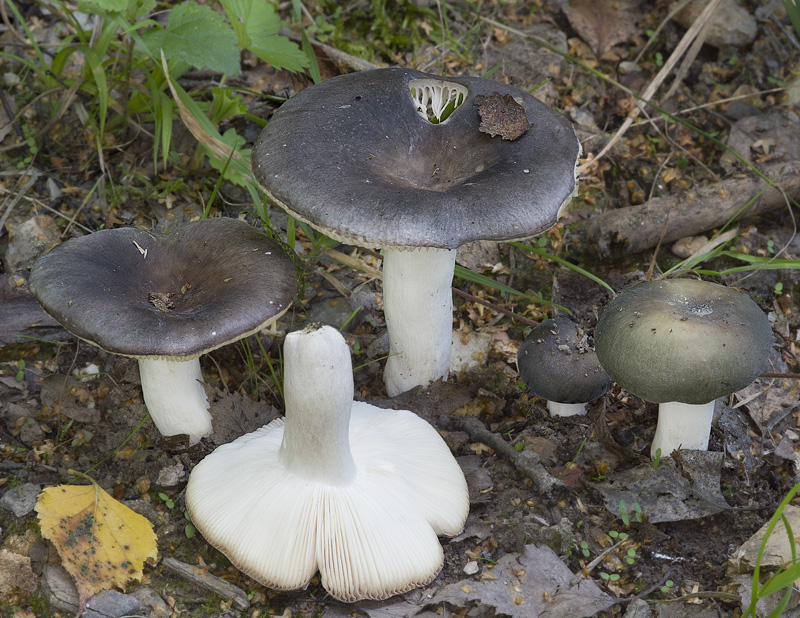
{"x": 418, "y": 305}
{"x": 682, "y": 426}
{"x": 318, "y": 391}
{"x": 566, "y": 409}
{"x": 174, "y": 396}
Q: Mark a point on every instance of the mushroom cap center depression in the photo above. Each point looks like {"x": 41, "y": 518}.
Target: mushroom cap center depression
{"x": 354, "y": 157}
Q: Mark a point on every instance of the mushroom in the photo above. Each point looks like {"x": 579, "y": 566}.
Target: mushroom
{"x": 682, "y": 343}
{"x": 557, "y": 364}
{"x": 357, "y": 492}
{"x": 373, "y": 159}
{"x": 165, "y": 300}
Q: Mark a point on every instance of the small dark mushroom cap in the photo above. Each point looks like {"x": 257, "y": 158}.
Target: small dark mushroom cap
{"x": 682, "y": 340}
{"x": 352, "y": 157}
{"x": 557, "y": 365}
{"x": 200, "y": 287}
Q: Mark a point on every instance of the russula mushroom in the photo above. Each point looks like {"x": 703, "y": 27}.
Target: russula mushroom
{"x": 373, "y": 159}
{"x": 557, "y": 364}
{"x": 165, "y": 300}
{"x": 354, "y": 491}
{"x": 682, "y": 343}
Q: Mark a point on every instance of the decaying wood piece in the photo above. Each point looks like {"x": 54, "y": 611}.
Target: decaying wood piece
{"x": 632, "y": 229}
{"x": 202, "y": 578}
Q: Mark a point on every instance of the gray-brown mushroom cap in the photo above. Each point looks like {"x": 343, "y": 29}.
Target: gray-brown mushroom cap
{"x": 353, "y": 157}
{"x": 557, "y": 364}
{"x": 682, "y": 340}
{"x": 177, "y": 295}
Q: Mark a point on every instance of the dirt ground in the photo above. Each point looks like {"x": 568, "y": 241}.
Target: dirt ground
{"x": 543, "y": 534}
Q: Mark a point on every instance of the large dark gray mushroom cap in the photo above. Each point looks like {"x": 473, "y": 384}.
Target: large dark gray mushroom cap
{"x": 177, "y": 295}
{"x": 682, "y": 340}
{"x": 557, "y": 364}
{"x": 354, "y": 158}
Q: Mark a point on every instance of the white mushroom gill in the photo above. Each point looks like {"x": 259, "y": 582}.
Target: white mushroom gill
{"x": 418, "y": 305}
{"x": 174, "y": 395}
{"x": 437, "y": 99}
{"x": 356, "y": 492}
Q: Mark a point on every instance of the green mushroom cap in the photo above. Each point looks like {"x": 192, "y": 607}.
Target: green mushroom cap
{"x": 682, "y": 340}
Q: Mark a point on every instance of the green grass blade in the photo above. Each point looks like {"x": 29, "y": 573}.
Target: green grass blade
{"x": 564, "y": 263}
{"x": 488, "y": 282}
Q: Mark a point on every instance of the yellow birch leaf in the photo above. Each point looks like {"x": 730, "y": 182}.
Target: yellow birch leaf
{"x": 102, "y": 543}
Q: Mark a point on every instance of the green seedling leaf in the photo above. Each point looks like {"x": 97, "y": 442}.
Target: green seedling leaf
{"x": 256, "y": 25}
{"x": 197, "y": 35}
{"x": 102, "y": 7}
{"x": 225, "y": 105}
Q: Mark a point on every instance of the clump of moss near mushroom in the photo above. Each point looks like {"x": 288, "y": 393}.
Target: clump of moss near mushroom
{"x": 354, "y": 491}
{"x": 166, "y": 299}
{"x": 682, "y": 343}
{"x": 398, "y": 159}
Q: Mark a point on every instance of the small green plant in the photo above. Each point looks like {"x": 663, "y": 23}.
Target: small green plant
{"x": 624, "y": 513}
{"x": 786, "y": 576}
{"x": 189, "y": 530}
{"x": 609, "y": 577}
{"x": 657, "y": 459}
{"x": 584, "y": 545}
{"x": 667, "y": 587}
{"x": 778, "y": 288}
{"x": 20, "y": 374}
{"x": 168, "y": 502}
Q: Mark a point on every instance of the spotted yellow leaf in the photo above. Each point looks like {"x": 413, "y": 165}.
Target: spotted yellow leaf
{"x": 102, "y": 543}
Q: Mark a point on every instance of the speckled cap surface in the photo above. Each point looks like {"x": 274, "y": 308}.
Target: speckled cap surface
{"x": 682, "y": 340}
{"x": 353, "y": 157}
{"x": 177, "y": 295}
{"x": 556, "y": 364}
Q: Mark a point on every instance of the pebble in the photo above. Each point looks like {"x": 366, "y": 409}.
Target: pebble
{"x": 151, "y": 603}
{"x": 171, "y": 475}
{"x": 60, "y": 592}
{"x": 732, "y": 25}
{"x": 20, "y": 500}
{"x": 111, "y": 604}
{"x": 30, "y": 432}
{"x": 31, "y": 239}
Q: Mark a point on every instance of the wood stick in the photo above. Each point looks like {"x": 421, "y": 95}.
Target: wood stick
{"x": 632, "y": 229}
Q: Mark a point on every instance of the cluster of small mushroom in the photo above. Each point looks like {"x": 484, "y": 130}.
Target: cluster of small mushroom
{"x": 681, "y": 343}
{"x": 342, "y": 487}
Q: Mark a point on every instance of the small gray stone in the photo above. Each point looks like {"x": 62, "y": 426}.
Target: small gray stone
{"x": 30, "y": 432}
{"x": 20, "y": 500}
{"x": 638, "y": 609}
{"x": 59, "y": 589}
{"x": 151, "y": 603}
{"x": 111, "y": 604}
{"x": 29, "y": 240}
{"x": 171, "y": 475}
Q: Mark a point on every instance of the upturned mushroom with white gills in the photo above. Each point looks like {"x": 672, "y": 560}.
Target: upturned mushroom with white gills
{"x": 403, "y": 160}
{"x": 354, "y": 491}
{"x": 166, "y": 299}
{"x": 557, "y": 364}
{"x": 682, "y": 343}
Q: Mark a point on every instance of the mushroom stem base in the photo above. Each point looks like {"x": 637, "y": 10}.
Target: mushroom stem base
{"x": 418, "y": 304}
{"x": 566, "y": 409}
{"x": 682, "y": 426}
{"x": 174, "y": 396}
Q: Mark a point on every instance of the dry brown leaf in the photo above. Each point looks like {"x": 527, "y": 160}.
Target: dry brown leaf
{"x": 102, "y": 543}
{"x": 501, "y": 115}
{"x": 602, "y": 24}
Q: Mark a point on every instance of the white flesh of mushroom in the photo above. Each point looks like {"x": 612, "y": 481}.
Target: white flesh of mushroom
{"x": 175, "y": 398}
{"x": 356, "y": 492}
{"x": 418, "y": 305}
{"x": 682, "y": 426}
